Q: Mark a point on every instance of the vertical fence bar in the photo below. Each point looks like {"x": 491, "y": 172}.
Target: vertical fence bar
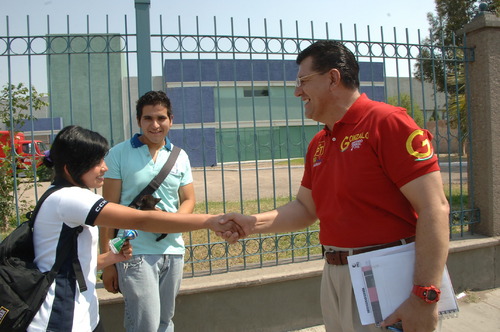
{"x": 31, "y": 117}
{"x": 396, "y": 56}
{"x": 143, "y": 31}
{"x": 422, "y": 85}
{"x": 12, "y": 151}
{"x": 384, "y": 63}
{"x": 129, "y": 94}
{"x": 70, "y": 81}
{"x": 287, "y": 130}
{"x": 108, "y": 67}
{"x": 89, "y": 76}
{"x": 410, "y": 78}
{"x": 49, "y": 78}
{"x": 370, "y": 56}
{"x": 254, "y": 116}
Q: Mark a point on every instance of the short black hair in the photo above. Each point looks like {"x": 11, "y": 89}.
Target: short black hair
{"x": 78, "y": 149}
{"x": 153, "y": 98}
{"x": 328, "y": 54}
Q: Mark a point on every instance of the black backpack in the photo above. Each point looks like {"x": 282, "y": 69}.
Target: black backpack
{"x": 23, "y": 287}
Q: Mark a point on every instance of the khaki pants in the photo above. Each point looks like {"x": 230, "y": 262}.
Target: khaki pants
{"x": 338, "y": 303}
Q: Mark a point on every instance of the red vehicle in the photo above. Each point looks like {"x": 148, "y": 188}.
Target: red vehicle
{"x": 23, "y": 149}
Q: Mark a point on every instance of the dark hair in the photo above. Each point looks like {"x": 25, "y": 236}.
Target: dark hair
{"x": 153, "y": 98}
{"x": 78, "y": 149}
{"x": 328, "y": 54}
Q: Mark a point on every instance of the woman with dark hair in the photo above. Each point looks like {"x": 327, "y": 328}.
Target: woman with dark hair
{"x": 77, "y": 156}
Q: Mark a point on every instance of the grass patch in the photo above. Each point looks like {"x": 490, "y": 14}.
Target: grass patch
{"x": 293, "y": 162}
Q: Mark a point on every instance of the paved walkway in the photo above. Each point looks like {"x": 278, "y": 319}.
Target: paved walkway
{"x": 479, "y": 312}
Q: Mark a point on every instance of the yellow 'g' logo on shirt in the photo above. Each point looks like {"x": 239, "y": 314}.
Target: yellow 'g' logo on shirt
{"x": 424, "y": 154}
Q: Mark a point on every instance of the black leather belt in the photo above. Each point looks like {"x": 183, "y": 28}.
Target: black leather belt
{"x": 340, "y": 257}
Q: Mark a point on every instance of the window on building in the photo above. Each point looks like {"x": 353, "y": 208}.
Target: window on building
{"x": 256, "y": 92}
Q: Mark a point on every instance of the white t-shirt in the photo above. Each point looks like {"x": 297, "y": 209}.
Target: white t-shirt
{"x": 65, "y": 307}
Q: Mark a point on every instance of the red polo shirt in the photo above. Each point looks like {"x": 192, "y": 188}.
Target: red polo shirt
{"x": 355, "y": 172}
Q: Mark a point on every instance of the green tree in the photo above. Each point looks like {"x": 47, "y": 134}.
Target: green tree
{"x": 436, "y": 60}
{"x": 15, "y": 103}
{"x": 412, "y": 108}
{"x": 441, "y": 58}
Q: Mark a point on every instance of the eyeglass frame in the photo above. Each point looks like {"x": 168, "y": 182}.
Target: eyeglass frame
{"x": 300, "y": 80}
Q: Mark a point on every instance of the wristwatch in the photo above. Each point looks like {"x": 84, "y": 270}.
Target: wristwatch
{"x": 429, "y": 294}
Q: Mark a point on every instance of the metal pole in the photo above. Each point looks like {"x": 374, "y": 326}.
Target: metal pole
{"x": 144, "y": 72}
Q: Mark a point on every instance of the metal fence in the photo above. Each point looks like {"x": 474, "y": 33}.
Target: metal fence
{"x": 231, "y": 84}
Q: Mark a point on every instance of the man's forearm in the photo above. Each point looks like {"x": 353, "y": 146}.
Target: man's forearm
{"x": 432, "y": 243}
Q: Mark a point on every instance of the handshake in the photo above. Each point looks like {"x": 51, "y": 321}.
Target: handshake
{"x": 232, "y": 226}
{"x": 291, "y": 217}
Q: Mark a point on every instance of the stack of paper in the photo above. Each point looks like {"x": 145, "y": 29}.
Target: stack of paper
{"x": 383, "y": 279}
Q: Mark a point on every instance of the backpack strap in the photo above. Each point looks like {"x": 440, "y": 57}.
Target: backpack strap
{"x": 70, "y": 247}
{"x": 77, "y": 267}
{"x": 31, "y": 215}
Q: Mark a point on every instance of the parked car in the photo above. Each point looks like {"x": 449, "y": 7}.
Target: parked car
{"x": 25, "y": 149}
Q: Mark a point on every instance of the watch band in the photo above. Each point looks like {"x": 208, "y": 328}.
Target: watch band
{"x": 429, "y": 294}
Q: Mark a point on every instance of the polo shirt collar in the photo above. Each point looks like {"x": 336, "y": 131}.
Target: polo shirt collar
{"x": 136, "y": 142}
{"x": 355, "y": 112}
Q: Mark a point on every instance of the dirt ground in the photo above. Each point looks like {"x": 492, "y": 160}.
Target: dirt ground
{"x": 245, "y": 182}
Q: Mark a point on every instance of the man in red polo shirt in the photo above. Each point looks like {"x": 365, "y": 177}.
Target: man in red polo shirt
{"x": 372, "y": 180}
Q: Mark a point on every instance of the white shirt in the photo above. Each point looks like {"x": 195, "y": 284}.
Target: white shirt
{"x": 65, "y": 308}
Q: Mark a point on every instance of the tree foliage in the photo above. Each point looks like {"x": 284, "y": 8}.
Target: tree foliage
{"x": 443, "y": 45}
{"x": 441, "y": 60}
{"x": 413, "y": 110}
{"x": 15, "y": 104}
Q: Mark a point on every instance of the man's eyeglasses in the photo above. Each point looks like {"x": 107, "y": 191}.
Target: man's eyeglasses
{"x": 301, "y": 79}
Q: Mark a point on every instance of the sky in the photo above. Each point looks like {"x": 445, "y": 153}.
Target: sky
{"x": 411, "y": 14}
{"x": 396, "y": 20}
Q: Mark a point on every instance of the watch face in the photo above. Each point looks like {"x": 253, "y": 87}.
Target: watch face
{"x": 431, "y": 295}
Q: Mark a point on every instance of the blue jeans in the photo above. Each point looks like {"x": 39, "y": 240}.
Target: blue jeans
{"x": 149, "y": 284}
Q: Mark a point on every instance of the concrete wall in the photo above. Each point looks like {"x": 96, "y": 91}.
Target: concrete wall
{"x": 483, "y": 33}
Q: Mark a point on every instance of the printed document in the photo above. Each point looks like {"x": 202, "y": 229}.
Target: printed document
{"x": 383, "y": 279}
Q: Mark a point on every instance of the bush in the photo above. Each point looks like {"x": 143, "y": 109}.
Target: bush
{"x": 44, "y": 173}
{"x": 406, "y": 102}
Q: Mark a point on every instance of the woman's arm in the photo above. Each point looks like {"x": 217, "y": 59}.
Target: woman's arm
{"x": 118, "y": 216}
{"x": 109, "y": 258}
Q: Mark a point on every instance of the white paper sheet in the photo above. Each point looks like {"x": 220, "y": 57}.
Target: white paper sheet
{"x": 390, "y": 273}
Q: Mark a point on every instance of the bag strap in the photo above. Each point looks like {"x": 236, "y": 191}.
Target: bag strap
{"x": 31, "y": 215}
{"x": 156, "y": 181}
{"x": 77, "y": 267}
{"x": 66, "y": 250}
{"x": 159, "y": 178}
